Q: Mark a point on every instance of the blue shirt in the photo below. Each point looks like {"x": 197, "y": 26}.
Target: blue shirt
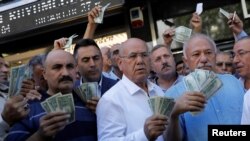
{"x": 224, "y": 107}
{"x": 83, "y": 129}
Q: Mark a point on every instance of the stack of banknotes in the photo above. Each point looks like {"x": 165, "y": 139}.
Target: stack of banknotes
{"x": 87, "y": 90}
{"x": 60, "y": 102}
{"x": 182, "y": 34}
{"x": 161, "y": 105}
{"x": 204, "y": 81}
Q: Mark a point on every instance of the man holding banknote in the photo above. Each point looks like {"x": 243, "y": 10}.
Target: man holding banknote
{"x": 64, "y": 117}
{"x": 195, "y": 109}
{"x": 123, "y": 112}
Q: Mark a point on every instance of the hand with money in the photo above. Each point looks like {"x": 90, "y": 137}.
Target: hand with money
{"x": 94, "y": 13}
{"x": 235, "y": 23}
{"x": 86, "y": 91}
{"x": 28, "y": 90}
{"x": 91, "y": 26}
{"x": 196, "y": 23}
{"x": 182, "y": 34}
{"x": 204, "y": 81}
{"x": 60, "y": 43}
{"x": 154, "y": 126}
{"x": 168, "y": 35}
{"x": 17, "y": 75}
{"x": 59, "y": 102}
{"x": 51, "y": 124}
{"x": 26, "y": 86}
{"x": 99, "y": 18}
{"x": 161, "y": 105}
{"x": 92, "y": 103}
{"x": 190, "y": 101}
{"x": 14, "y": 109}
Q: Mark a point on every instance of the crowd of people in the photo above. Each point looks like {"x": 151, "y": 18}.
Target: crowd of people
{"x": 128, "y": 74}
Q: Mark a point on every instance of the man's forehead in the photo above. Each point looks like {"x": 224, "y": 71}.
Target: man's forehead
{"x": 161, "y": 50}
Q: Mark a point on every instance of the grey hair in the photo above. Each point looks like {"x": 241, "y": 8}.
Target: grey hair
{"x": 201, "y": 36}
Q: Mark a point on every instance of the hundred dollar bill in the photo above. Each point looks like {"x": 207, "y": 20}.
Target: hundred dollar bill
{"x": 99, "y": 19}
{"x": 66, "y": 103}
{"x": 191, "y": 83}
{"x": 182, "y": 34}
{"x": 210, "y": 89}
{"x": 225, "y": 13}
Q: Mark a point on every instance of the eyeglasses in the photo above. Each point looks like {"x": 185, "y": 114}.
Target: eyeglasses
{"x": 227, "y": 64}
{"x": 239, "y": 54}
{"x": 133, "y": 56}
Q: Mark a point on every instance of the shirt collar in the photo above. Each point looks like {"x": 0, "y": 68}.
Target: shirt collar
{"x": 133, "y": 88}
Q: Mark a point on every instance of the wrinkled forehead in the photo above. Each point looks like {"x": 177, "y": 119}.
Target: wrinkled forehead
{"x": 59, "y": 58}
{"x": 199, "y": 44}
{"x": 223, "y": 57}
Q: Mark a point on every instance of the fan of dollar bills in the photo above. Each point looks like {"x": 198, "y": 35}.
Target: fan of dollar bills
{"x": 60, "y": 102}
{"x": 87, "y": 90}
{"x": 203, "y": 81}
{"x": 17, "y": 75}
{"x": 161, "y": 105}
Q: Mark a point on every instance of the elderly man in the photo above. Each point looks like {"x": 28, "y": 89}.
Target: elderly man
{"x": 123, "y": 113}
{"x": 241, "y": 60}
{"x": 60, "y": 73}
{"x": 163, "y": 64}
{"x": 199, "y": 53}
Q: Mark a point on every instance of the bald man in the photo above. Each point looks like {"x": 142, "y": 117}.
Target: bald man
{"x": 60, "y": 73}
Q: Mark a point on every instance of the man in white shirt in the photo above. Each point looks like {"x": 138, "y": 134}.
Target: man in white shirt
{"x": 241, "y": 54}
{"x": 123, "y": 113}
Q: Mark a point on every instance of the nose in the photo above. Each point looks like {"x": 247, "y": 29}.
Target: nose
{"x": 235, "y": 59}
{"x": 203, "y": 58}
{"x": 65, "y": 71}
{"x": 91, "y": 62}
{"x": 139, "y": 57}
{"x": 224, "y": 66}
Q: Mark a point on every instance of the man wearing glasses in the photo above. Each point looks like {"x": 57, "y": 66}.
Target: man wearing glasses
{"x": 242, "y": 63}
{"x": 241, "y": 59}
{"x": 123, "y": 113}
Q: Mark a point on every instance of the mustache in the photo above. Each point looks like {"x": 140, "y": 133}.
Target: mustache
{"x": 206, "y": 65}
{"x": 165, "y": 65}
{"x": 65, "y": 78}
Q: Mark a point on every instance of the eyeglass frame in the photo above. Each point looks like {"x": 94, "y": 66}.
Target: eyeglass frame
{"x": 240, "y": 53}
{"x": 134, "y": 55}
